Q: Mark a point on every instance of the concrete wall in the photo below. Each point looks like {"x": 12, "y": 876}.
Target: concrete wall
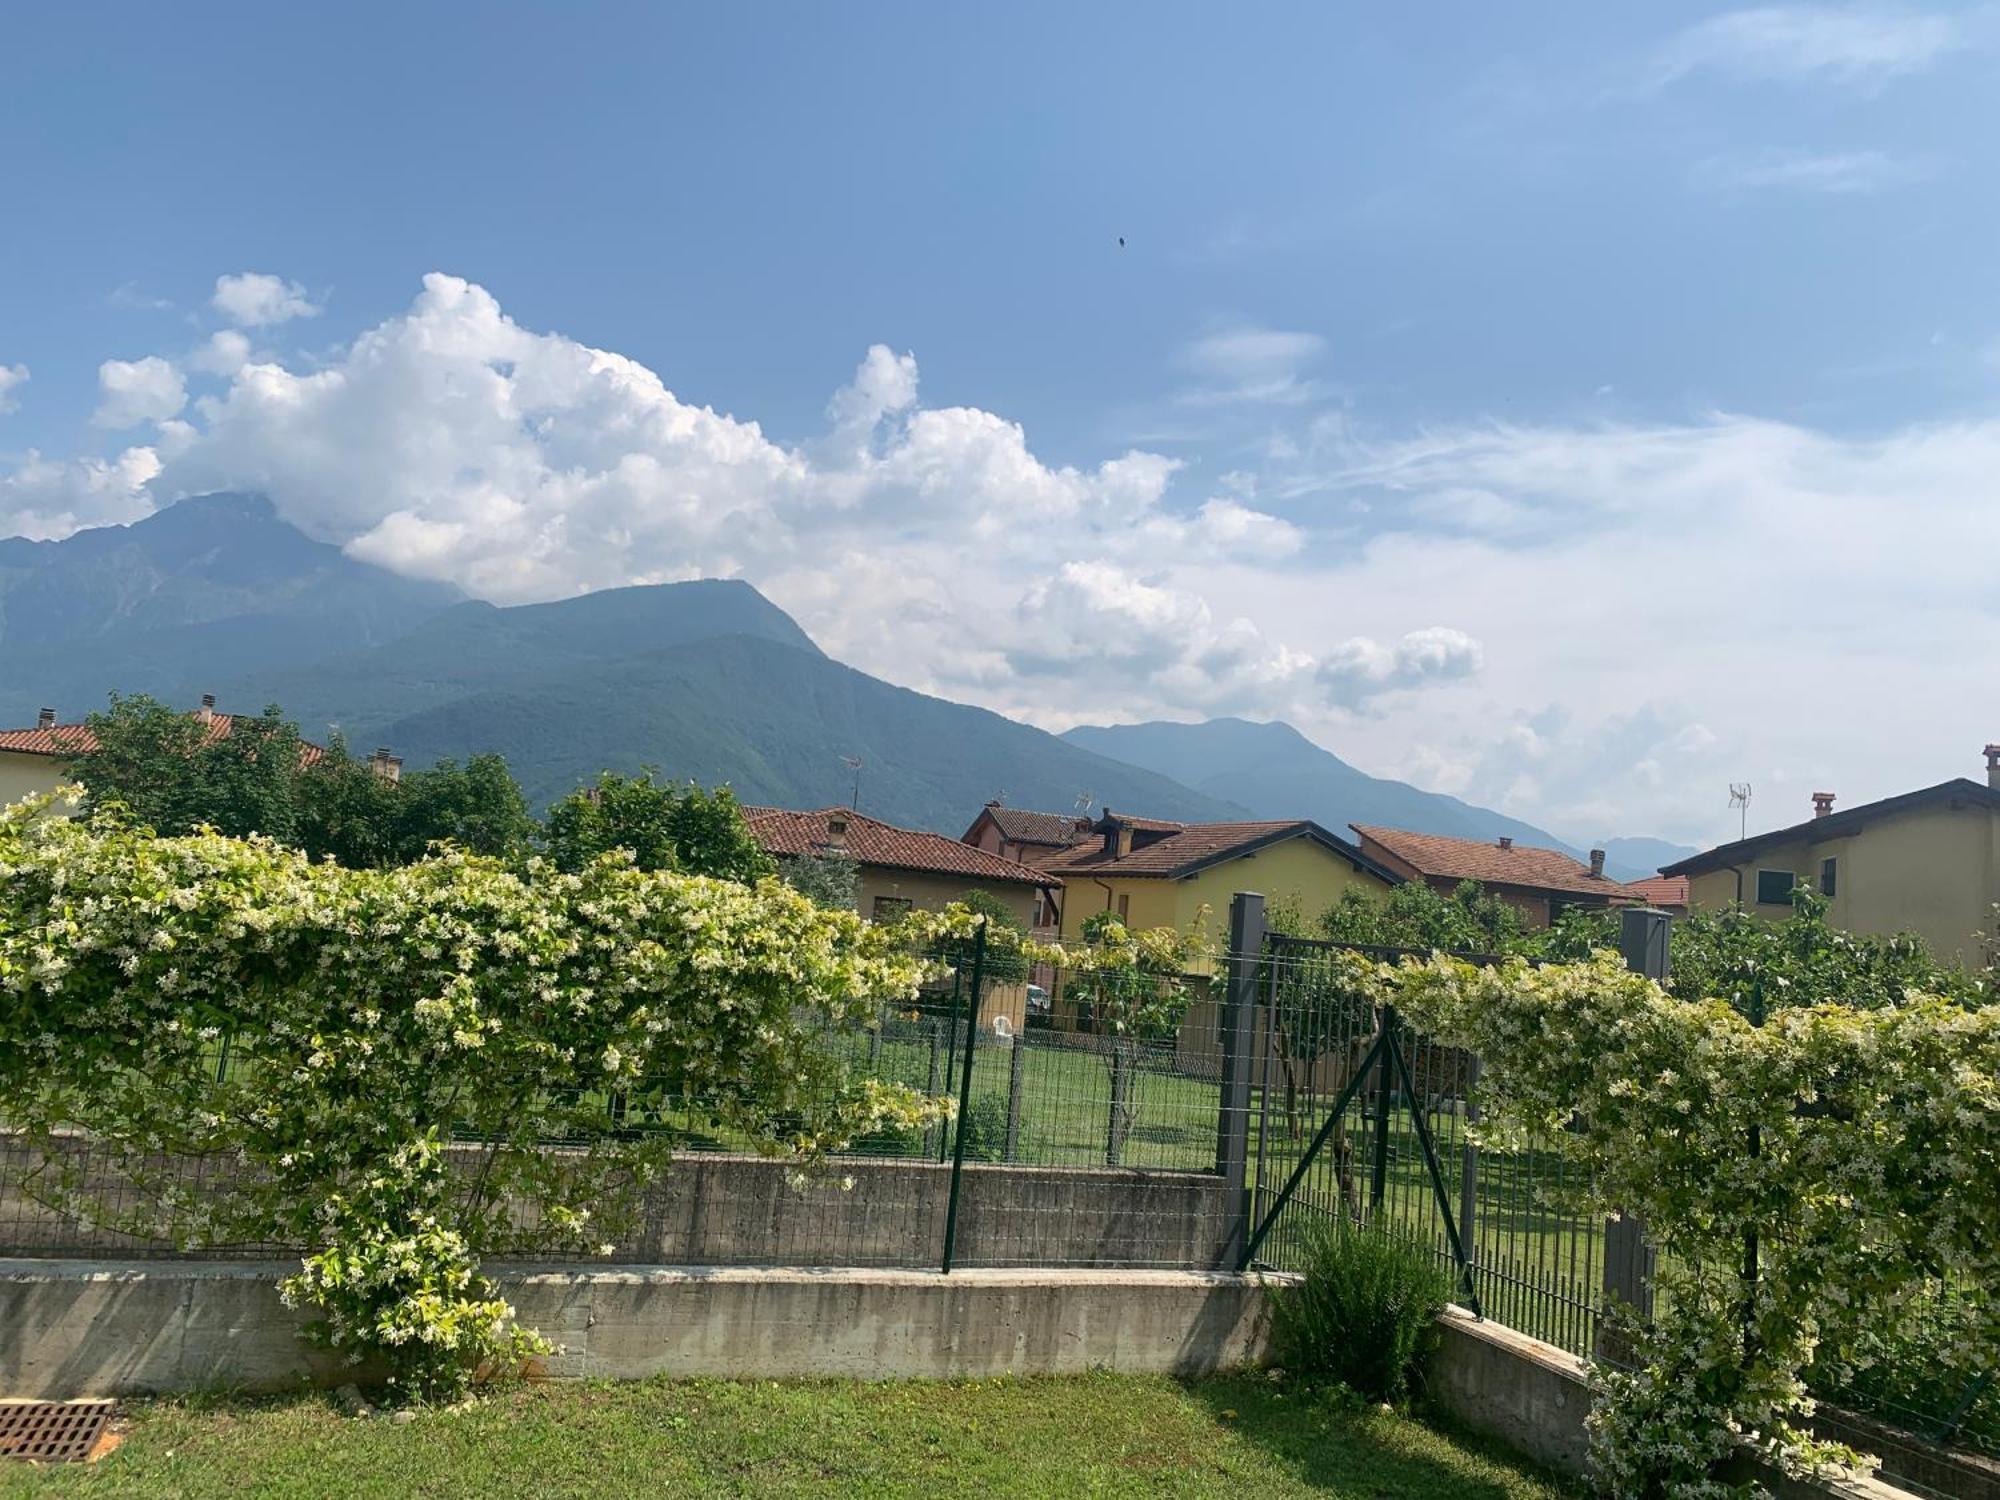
{"x": 112, "y": 1328}
{"x": 738, "y": 1210}
{"x": 1534, "y": 1397}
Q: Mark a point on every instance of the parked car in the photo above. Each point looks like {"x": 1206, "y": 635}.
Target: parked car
{"x": 1040, "y": 1010}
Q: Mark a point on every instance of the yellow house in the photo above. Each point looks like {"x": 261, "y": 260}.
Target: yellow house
{"x": 1158, "y": 874}
{"x": 35, "y": 761}
{"x": 38, "y": 760}
{"x": 1926, "y": 862}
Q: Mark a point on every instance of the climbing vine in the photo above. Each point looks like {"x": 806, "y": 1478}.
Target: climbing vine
{"x": 220, "y": 1042}
{"x": 1875, "y": 1172}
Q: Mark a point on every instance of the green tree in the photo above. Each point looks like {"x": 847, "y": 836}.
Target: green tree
{"x": 826, "y": 877}
{"x": 1136, "y": 985}
{"x": 1469, "y": 920}
{"x": 666, "y": 827}
{"x": 174, "y": 774}
{"x": 477, "y": 806}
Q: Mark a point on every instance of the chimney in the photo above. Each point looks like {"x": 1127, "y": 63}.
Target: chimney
{"x": 836, "y": 830}
{"x": 383, "y": 764}
{"x": 206, "y": 713}
{"x": 1597, "y": 864}
{"x": 1822, "y": 804}
{"x": 46, "y": 719}
{"x": 1506, "y": 841}
{"x": 1993, "y": 765}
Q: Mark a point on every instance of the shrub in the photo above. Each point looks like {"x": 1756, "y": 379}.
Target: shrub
{"x": 986, "y": 1129}
{"x": 1365, "y": 1314}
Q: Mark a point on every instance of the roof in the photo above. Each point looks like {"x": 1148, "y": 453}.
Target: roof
{"x": 69, "y": 740}
{"x": 1188, "y": 848}
{"x": 1019, "y": 826}
{"x": 1661, "y": 890}
{"x": 1958, "y": 792}
{"x": 1490, "y": 863}
{"x": 873, "y": 842}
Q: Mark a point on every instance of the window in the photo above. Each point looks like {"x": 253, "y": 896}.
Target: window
{"x": 888, "y": 908}
{"x": 1826, "y": 877}
{"x": 1124, "y": 908}
{"x": 1774, "y": 887}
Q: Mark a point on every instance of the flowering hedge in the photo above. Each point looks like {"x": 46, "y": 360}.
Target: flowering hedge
{"x": 317, "y": 1037}
{"x": 1876, "y": 1172}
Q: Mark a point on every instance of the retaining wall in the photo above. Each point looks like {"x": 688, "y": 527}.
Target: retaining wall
{"x": 110, "y": 1328}
{"x": 712, "y": 1209}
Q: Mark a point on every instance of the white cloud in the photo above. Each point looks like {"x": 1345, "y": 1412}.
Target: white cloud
{"x": 1831, "y": 172}
{"x": 253, "y": 299}
{"x": 1360, "y": 669}
{"x": 224, "y": 353}
{"x": 1250, "y": 364}
{"x": 12, "y": 378}
{"x": 44, "y": 499}
{"x": 138, "y": 390}
{"x": 1847, "y": 44}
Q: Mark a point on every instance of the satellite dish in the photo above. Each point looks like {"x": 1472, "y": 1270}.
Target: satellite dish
{"x": 1003, "y": 1028}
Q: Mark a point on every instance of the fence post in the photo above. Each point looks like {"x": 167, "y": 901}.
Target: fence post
{"x": 931, "y": 1088}
{"x": 1236, "y": 1026}
{"x": 1015, "y": 1066}
{"x": 1468, "y": 1178}
{"x": 1643, "y": 940}
{"x": 964, "y": 1095}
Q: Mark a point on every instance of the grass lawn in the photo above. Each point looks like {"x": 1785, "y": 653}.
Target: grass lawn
{"x": 1083, "y": 1436}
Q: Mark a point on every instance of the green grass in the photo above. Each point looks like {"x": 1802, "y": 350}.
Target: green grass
{"x": 1095, "y": 1435}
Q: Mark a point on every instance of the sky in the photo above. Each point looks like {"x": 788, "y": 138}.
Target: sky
{"x": 1575, "y": 408}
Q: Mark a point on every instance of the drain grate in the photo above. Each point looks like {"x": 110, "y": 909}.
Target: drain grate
{"x": 52, "y": 1432}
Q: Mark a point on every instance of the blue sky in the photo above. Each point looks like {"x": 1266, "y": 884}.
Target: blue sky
{"x": 1520, "y": 397}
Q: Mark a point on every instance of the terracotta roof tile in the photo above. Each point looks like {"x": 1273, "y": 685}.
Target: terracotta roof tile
{"x": 873, "y": 842}
{"x": 1188, "y": 847}
{"x": 66, "y": 740}
{"x": 1434, "y": 855}
{"x": 1661, "y": 890}
{"x": 1020, "y": 826}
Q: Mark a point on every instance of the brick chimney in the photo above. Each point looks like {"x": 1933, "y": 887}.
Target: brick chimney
{"x": 1993, "y": 765}
{"x": 46, "y": 719}
{"x": 1506, "y": 841}
{"x": 383, "y": 764}
{"x": 206, "y": 713}
{"x": 1822, "y": 804}
{"x": 836, "y": 829}
{"x": 1597, "y": 864}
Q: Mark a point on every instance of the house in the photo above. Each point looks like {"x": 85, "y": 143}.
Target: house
{"x": 36, "y": 761}
{"x": 1017, "y": 834}
{"x": 1925, "y": 862}
{"x": 1667, "y": 893}
{"x": 1160, "y": 874}
{"x": 900, "y": 867}
{"x": 1539, "y": 883}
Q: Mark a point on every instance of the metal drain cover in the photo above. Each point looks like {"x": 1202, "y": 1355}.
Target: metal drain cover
{"x": 52, "y": 1432}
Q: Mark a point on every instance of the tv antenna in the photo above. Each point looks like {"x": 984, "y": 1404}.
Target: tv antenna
{"x": 1739, "y": 798}
{"x": 1085, "y": 801}
{"x": 853, "y": 763}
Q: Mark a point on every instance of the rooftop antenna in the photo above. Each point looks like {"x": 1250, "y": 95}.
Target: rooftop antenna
{"x": 1085, "y": 801}
{"x": 1739, "y": 798}
{"x": 853, "y": 763}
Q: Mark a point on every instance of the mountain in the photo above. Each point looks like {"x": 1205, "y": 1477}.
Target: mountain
{"x": 1277, "y": 772}
{"x": 202, "y": 591}
{"x": 1638, "y": 858}
{"x": 762, "y": 709}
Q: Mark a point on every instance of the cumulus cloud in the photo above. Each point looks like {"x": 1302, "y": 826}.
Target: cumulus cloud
{"x": 253, "y": 299}
{"x": 12, "y": 378}
{"x": 224, "y": 353}
{"x": 1847, "y": 44}
{"x": 139, "y": 390}
{"x": 1843, "y": 173}
{"x": 45, "y": 499}
{"x": 1359, "y": 669}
